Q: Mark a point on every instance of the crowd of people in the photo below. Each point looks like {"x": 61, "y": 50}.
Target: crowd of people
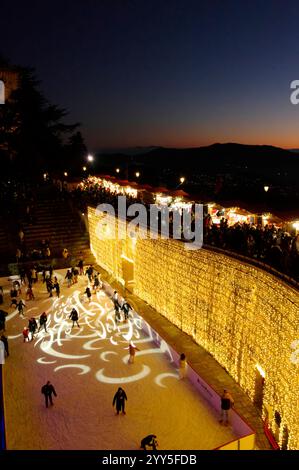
{"x": 269, "y": 244}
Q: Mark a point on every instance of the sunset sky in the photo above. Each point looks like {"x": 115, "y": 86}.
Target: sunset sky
{"x": 178, "y": 73}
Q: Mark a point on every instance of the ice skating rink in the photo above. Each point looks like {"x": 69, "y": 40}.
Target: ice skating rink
{"x": 86, "y": 365}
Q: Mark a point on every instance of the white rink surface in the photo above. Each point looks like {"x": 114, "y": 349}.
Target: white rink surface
{"x": 86, "y": 366}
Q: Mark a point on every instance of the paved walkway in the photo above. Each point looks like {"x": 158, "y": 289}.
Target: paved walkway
{"x": 201, "y": 361}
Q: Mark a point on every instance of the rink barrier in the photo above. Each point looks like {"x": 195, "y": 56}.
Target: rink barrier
{"x": 245, "y": 439}
{"x": 2, "y": 417}
{"x": 245, "y": 433}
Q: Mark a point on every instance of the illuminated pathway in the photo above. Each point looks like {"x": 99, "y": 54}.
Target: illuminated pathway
{"x": 86, "y": 366}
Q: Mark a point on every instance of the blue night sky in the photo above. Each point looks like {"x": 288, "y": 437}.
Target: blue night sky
{"x": 174, "y": 73}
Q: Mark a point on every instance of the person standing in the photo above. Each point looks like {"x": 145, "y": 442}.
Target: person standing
{"x": 119, "y": 401}
{"x": 21, "y": 306}
{"x": 48, "y": 390}
{"x": 74, "y": 317}
{"x": 80, "y": 266}
{"x": 227, "y": 403}
{"x": 182, "y": 366}
{"x": 69, "y": 277}
{"x": 32, "y": 326}
{"x": 88, "y": 293}
{"x": 132, "y": 351}
{"x": 56, "y": 286}
{"x": 43, "y": 321}
{"x": 25, "y": 334}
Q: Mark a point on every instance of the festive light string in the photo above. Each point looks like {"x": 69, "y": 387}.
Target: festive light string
{"x": 246, "y": 318}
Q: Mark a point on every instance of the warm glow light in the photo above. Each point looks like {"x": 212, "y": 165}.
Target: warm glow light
{"x": 90, "y": 158}
{"x": 250, "y": 310}
{"x": 266, "y": 188}
{"x": 137, "y": 174}
{"x": 296, "y": 225}
{"x": 182, "y": 180}
{"x": 84, "y": 168}
{"x": 117, "y": 170}
{"x": 261, "y": 370}
{"x": 65, "y": 173}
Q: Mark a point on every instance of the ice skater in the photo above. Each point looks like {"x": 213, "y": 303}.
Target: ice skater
{"x": 132, "y": 351}
{"x": 149, "y": 441}
{"x": 74, "y": 317}
{"x": 32, "y": 326}
{"x": 119, "y": 401}
{"x": 88, "y": 293}
{"x": 21, "y": 306}
{"x": 126, "y": 307}
{"x": 43, "y": 322}
{"x": 48, "y": 390}
{"x": 182, "y": 366}
{"x": 227, "y": 403}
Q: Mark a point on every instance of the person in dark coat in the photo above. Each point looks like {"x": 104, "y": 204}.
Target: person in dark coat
{"x": 119, "y": 401}
{"x": 48, "y": 390}
{"x": 150, "y": 441}
{"x": 88, "y": 293}
{"x": 3, "y": 314}
{"x": 74, "y": 317}
{"x": 57, "y": 288}
{"x": 126, "y": 309}
{"x": 21, "y": 306}
{"x": 32, "y": 326}
{"x": 43, "y": 321}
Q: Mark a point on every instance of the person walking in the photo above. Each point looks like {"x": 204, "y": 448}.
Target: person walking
{"x": 29, "y": 294}
{"x": 69, "y": 277}
{"x": 43, "y": 321}
{"x": 48, "y": 390}
{"x": 150, "y": 440}
{"x": 80, "y": 266}
{"x": 227, "y": 403}
{"x": 132, "y": 351}
{"x": 119, "y": 401}
{"x": 74, "y": 317}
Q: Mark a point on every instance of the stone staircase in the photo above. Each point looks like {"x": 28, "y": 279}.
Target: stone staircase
{"x": 59, "y": 222}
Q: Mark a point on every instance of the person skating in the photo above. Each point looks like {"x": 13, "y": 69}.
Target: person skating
{"x": 32, "y": 325}
{"x": 3, "y": 316}
{"x": 21, "y": 306}
{"x": 227, "y": 403}
{"x": 29, "y": 294}
{"x": 43, "y": 321}
{"x": 25, "y": 334}
{"x": 74, "y": 317}
{"x": 119, "y": 401}
{"x": 182, "y": 366}
{"x": 48, "y": 390}
{"x": 56, "y": 286}
{"x": 88, "y": 293}
{"x": 150, "y": 441}
{"x": 126, "y": 309}
{"x": 132, "y": 351}
{"x": 69, "y": 277}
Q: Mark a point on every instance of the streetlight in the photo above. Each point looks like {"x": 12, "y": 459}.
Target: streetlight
{"x": 65, "y": 173}
{"x": 90, "y": 158}
{"x": 137, "y": 174}
{"x": 266, "y": 188}
{"x": 84, "y": 168}
{"x": 182, "y": 179}
{"x": 117, "y": 170}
